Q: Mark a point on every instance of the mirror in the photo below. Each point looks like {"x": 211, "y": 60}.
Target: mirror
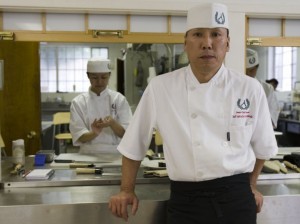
{"x": 280, "y": 63}
{"x": 133, "y": 66}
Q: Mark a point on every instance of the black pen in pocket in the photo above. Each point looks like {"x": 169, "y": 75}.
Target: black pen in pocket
{"x": 228, "y": 136}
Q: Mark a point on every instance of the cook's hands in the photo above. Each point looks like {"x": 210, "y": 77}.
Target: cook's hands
{"x": 96, "y": 128}
{"x": 259, "y": 199}
{"x": 118, "y": 204}
{"x": 99, "y": 124}
{"x": 107, "y": 121}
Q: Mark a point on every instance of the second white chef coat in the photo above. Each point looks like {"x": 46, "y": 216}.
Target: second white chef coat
{"x": 209, "y": 130}
{"x": 272, "y": 102}
{"x": 87, "y": 107}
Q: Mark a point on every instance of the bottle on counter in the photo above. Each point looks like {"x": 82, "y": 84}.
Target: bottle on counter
{"x": 18, "y": 152}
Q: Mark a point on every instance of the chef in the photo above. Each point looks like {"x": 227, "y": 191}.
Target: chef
{"x": 216, "y": 131}
{"x": 99, "y": 117}
{"x": 252, "y": 64}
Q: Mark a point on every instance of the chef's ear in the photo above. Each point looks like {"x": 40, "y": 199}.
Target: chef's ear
{"x": 228, "y": 44}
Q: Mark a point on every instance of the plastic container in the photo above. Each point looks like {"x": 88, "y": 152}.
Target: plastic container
{"x": 18, "y": 152}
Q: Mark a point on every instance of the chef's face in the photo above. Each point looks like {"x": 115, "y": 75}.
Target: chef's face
{"x": 206, "y": 48}
{"x": 99, "y": 81}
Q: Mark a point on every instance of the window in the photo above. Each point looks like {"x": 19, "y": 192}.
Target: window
{"x": 282, "y": 66}
{"x": 63, "y": 66}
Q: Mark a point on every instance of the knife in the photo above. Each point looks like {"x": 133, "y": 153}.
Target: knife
{"x": 76, "y": 161}
{"x": 81, "y": 165}
{"x": 95, "y": 171}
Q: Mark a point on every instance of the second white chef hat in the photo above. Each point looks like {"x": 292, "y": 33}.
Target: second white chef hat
{"x": 98, "y": 65}
{"x": 251, "y": 58}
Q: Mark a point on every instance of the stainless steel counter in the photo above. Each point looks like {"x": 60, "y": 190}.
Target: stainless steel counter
{"x": 84, "y": 204}
{"x": 89, "y": 204}
{"x": 70, "y": 198}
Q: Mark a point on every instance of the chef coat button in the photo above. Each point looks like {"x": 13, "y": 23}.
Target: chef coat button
{"x": 194, "y": 115}
{"x": 225, "y": 144}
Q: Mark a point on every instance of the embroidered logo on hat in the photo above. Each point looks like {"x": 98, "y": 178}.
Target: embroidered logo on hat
{"x": 220, "y": 19}
{"x": 252, "y": 60}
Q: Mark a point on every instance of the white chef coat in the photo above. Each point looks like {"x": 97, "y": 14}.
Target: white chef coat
{"x": 272, "y": 102}
{"x": 209, "y": 130}
{"x": 87, "y": 107}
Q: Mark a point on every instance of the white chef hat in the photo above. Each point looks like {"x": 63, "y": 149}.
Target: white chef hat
{"x": 207, "y": 16}
{"x": 98, "y": 65}
{"x": 252, "y": 58}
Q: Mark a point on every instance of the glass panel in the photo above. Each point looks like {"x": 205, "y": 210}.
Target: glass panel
{"x": 79, "y": 75}
{"x": 70, "y": 63}
{"x": 62, "y": 63}
{"x": 70, "y": 77}
{"x": 62, "y": 75}
{"x": 52, "y": 86}
{"x": 52, "y": 75}
{"x": 78, "y": 52}
{"x": 66, "y": 63}
{"x": 78, "y": 63}
{"x": 44, "y": 75}
{"x": 51, "y": 63}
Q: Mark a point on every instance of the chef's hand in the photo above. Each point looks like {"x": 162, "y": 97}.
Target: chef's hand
{"x": 107, "y": 121}
{"x": 118, "y": 204}
{"x": 259, "y": 199}
{"x": 96, "y": 127}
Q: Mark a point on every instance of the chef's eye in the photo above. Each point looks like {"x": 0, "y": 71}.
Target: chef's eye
{"x": 198, "y": 34}
{"x": 216, "y": 34}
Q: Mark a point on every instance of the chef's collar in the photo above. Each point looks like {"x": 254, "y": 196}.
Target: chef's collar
{"x": 216, "y": 79}
{"x": 102, "y": 94}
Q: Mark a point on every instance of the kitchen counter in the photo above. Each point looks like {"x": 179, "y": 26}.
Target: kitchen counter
{"x": 71, "y": 198}
{"x": 89, "y": 204}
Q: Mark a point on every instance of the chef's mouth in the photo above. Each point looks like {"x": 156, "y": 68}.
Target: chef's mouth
{"x": 206, "y": 55}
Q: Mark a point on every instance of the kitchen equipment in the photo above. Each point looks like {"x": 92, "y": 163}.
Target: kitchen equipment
{"x": 95, "y": 170}
{"x": 81, "y": 165}
{"x": 48, "y": 153}
{"x": 18, "y": 152}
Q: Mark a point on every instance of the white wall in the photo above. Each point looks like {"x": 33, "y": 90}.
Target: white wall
{"x": 235, "y": 57}
{"x": 178, "y": 7}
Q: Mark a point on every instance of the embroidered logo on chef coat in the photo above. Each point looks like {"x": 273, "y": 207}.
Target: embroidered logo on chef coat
{"x": 243, "y": 105}
{"x": 243, "y": 111}
{"x": 114, "y": 109}
{"x": 220, "y": 19}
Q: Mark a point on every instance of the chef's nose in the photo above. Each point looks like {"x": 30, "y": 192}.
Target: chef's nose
{"x": 206, "y": 41}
